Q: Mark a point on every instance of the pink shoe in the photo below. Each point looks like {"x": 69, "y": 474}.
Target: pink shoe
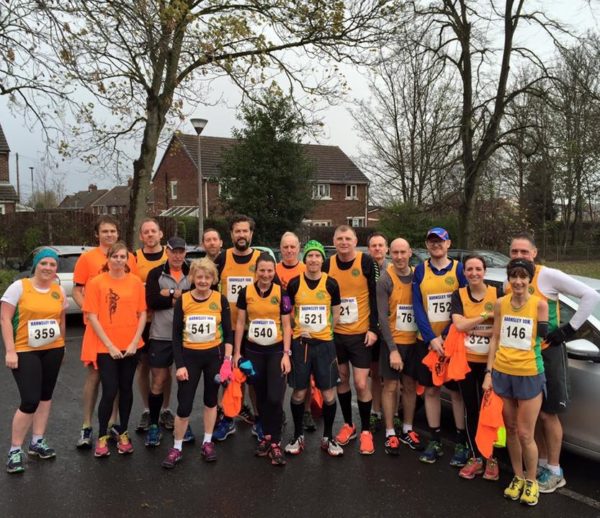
{"x": 102, "y": 447}
{"x": 124, "y": 446}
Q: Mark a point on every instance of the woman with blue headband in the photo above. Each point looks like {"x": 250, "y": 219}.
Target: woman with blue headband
{"x": 33, "y": 330}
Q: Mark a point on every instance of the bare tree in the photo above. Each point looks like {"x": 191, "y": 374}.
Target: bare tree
{"x": 142, "y": 60}
{"x": 409, "y": 121}
{"x": 464, "y": 31}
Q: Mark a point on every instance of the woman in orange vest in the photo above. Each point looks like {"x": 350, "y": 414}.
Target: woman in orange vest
{"x": 115, "y": 307}
{"x": 472, "y": 312}
{"x": 265, "y": 308}
{"x": 33, "y": 330}
{"x": 202, "y": 346}
{"x": 515, "y": 370}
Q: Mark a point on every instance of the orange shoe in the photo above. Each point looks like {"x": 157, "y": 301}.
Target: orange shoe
{"x": 366, "y": 443}
{"x": 346, "y": 434}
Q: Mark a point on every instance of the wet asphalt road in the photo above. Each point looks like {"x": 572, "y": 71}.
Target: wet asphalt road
{"x": 239, "y": 484}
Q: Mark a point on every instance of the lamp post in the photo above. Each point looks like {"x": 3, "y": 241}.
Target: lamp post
{"x": 199, "y": 125}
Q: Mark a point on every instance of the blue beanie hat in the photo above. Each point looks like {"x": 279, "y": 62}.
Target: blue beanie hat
{"x": 43, "y": 253}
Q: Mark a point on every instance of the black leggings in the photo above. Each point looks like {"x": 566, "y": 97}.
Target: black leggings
{"x": 36, "y": 376}
{"x": 472, "y": 394}
{"x": 116, "y": 377}
{"x": 198, "y": 362}
{"x": 269, "y": 385}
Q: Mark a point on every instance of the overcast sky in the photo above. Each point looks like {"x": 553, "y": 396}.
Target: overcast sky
{"x": 338, "y": 124}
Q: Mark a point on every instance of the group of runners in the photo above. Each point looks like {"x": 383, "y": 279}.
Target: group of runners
{"x": 316, "y": 322}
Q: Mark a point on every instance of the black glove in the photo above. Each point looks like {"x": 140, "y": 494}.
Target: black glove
{"x": 560, "y": 335}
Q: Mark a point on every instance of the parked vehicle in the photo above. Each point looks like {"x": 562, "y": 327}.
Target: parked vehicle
{"x": 67, "y": 257}
{"x": 582, "y": 421}
{"x": 492, "y": 258}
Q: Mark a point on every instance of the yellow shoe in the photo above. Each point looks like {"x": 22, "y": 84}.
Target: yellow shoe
{"x": 531, "y": 493}
{"x": 515, "y": 488}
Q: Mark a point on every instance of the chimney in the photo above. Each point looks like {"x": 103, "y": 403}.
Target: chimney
{"x": 92, "y": 187}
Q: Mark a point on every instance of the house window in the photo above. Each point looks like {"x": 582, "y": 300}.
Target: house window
{"x": 221, "y": 191}
{"x": 356, "y": 222}
{"x": 2, "y": 208}
{"x": 173, "y": 189}
{"x": 351, "y": 192}
{"x": 317, "y": 222}
{"x": 113, "y": 210}
{"x": 321, "y": 191}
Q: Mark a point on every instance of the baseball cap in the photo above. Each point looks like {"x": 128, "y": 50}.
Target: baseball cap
{"x": 439, "y": 232}
{"x": 526, "y": 265}
{"x": 311, "y": 246}
{"x": 176, "y": 242}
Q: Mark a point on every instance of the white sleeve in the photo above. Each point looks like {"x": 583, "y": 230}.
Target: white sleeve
{"x": 552, "y": 282}
{"x": 13, "y": 293}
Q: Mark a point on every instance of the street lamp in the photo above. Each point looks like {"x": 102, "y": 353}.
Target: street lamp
{"x": 199, "y": 125}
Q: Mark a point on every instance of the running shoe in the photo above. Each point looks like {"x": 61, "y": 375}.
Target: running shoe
{"x": 295, "y": 446}
{"x": 225, "y": 427}
{"x": 461, "y": 455}
{"x": 366, "y": 443}
{"x": 153, "y": 436}
{"x": 173, "y": 457}
{"x": 166, "y": 419}
{"x": 85, "y": 438}
{"x": 188, "y": 436}
{"x": 472, "y": 468}
{"x": 262, "y": 450}
{"x": 209, "y": 452}
{"x": 102, "y": 447}
{"x": 124, "y": 446}
{"x": 548, "y": 482}
{"x": 257, "y": 430}
{"x": 276, "y": 455}
{"x": 246, "y": 415}
{"x": 515, "y": 488}
{"x": 531, "y": 493}
{"x": 375, "y": 421}
{"x": 411, "y": 439}
{"x": 308, "y": 422}
{"x": 492, "y": 471}
{"x": 392, "y": 445}
{"x": 14, "y": 464}
{"x": 346, "y": 434}
{"x": 41, "y": 449}
{"x": 144, "y": 423}
{"x": 398, "y": 425}
{"x": 114, "y": 433}
{"x": 432, "y": 453}
{"x": 332, "y": 447}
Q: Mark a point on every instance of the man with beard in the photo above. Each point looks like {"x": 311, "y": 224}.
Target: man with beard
{"x": 236, "y": 267}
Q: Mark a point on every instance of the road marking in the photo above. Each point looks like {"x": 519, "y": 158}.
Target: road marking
{"x": 579, "y": 497}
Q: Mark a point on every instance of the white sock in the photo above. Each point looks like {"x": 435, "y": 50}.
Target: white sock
{"x": 207, "y": 438}
{"x": 389, "y": 432}
{"x": 406, "y": 427}
{"x": 14, "y": 448}
{"x": 554, "y": 469}
{"x": 542, "y": 463}
{"x": 36, "y": 438}
{"x": 178, "y": 445}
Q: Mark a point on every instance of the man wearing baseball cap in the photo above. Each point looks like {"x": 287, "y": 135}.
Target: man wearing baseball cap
{"x": 434, "y": 281}
{"x": 316, "y": 300}
{"x": 164, "y": 286}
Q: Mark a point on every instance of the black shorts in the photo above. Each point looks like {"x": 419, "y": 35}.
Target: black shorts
{"x": 423, "y": 374}
{"x": 352, "y": 348}
{"x": 408, "y": 355}
{"x": 316, "y": 357}
{"x": 376, "y": 349}
{"x": 146, "y": 337}
{"x": 160, "y": 353}
{"x": 556, "y": 369}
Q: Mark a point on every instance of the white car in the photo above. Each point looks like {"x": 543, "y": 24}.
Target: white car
{"x": 581, "y": 423}
{"x": 67, "y": 257}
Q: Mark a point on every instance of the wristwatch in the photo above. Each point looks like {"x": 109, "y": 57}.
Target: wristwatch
{"x": 289, "y": 352}
{"x": 171, "y": 292}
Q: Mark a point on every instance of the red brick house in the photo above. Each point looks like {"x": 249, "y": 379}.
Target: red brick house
{"x": 340, "y": 189}
{"x": 82, "y": 200}
{"x": 8, "y": 195}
